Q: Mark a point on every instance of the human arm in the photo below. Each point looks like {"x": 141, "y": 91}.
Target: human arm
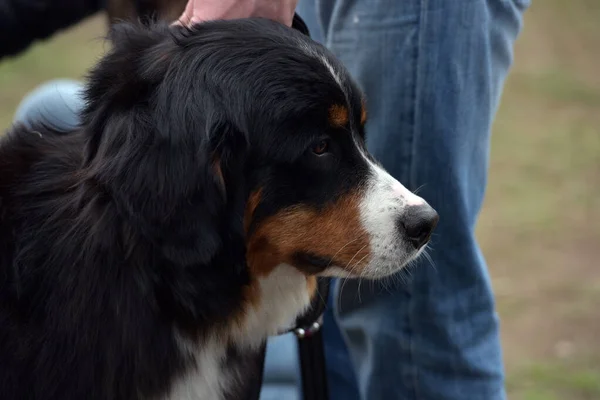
{"x": 205, "y": 10}
{"x": 24, "y": 21}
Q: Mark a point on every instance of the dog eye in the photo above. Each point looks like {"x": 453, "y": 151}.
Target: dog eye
{"x": 321, "y": 147}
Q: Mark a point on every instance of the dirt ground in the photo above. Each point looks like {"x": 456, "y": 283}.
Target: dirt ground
{"x": 540, "y": 226}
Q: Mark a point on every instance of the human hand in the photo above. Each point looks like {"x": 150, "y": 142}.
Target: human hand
{"x": 206, "y": 10}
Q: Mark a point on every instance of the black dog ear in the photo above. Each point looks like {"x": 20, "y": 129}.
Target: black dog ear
{"x": 210, "y": 221}
{"x": 161, "y": 150}
{"x": 138, "y": 55}
{"x": 138, "y": 59}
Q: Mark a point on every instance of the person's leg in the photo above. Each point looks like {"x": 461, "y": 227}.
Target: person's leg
{"x": 432, "y": 71}
{"x": 55, "y": 103}
{"x": 281, "y": 379}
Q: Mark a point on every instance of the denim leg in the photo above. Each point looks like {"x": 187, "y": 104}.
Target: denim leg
{"x": 55, "y": 103}
{"x": 281, "y": 379}
{"x": 432, "y": 71}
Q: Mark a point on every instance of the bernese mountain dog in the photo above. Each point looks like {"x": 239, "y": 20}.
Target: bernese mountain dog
{"x": 218, "y": 171}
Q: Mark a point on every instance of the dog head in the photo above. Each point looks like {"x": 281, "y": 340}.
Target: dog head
{"x": 245, "y": 140}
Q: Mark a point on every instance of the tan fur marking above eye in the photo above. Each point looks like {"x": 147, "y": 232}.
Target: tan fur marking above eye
{"x": 334, "y": 232}
{"x": 363, "y": 112}
{"x": 338, "y": 115}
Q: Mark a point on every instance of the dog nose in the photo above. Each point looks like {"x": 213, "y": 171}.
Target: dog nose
{"x": 418, "y": 224}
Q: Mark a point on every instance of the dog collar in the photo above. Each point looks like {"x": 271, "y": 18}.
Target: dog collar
{"x": 311, "y": 321}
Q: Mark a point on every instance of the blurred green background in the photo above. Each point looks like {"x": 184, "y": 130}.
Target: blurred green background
{"x": 540, "y": 227}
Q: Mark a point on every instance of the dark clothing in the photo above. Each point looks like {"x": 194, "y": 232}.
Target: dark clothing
{"x": 24, "y": 21}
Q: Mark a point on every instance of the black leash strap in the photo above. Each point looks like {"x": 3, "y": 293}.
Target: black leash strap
{"x": 312, "y": 367}
{"x": 255, "y": 384}
{"x": 311, "y": 349}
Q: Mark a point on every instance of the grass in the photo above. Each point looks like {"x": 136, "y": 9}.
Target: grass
{"x": 561, "y": 86}
{"x": 540, "y": 225}
{"x": 67, "y": 55}
{"x": 556, "y": 381}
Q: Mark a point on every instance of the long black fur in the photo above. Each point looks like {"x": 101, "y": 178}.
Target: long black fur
{"x": 114, "y": 235}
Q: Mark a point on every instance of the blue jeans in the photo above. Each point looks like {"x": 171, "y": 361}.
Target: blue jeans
{"x": 433, "y": 72}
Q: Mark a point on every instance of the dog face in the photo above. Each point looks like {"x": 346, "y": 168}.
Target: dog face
{"x": 320, "y": 202}
{"x": 247, "y": 141}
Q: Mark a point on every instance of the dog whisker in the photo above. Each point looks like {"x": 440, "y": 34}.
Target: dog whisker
{"x": 343, "y": 247}
{"x": 360, "y": 280}
{"x": 349, "y": 272}
{"x": 417, "y": 190}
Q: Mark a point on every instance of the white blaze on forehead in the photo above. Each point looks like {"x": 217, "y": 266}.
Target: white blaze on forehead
{"x": 333, "y": 72}
{"x": 323, "y": 60}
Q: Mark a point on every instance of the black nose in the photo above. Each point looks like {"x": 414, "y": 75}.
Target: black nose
{"x": 418, "y": 223}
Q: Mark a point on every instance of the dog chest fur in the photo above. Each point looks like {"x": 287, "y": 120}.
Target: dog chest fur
{"x": 212, "y": 372}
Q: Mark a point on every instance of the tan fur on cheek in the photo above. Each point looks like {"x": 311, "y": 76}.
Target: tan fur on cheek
{"x": 278, "y": 290}
{"x": 334, "y": 232}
